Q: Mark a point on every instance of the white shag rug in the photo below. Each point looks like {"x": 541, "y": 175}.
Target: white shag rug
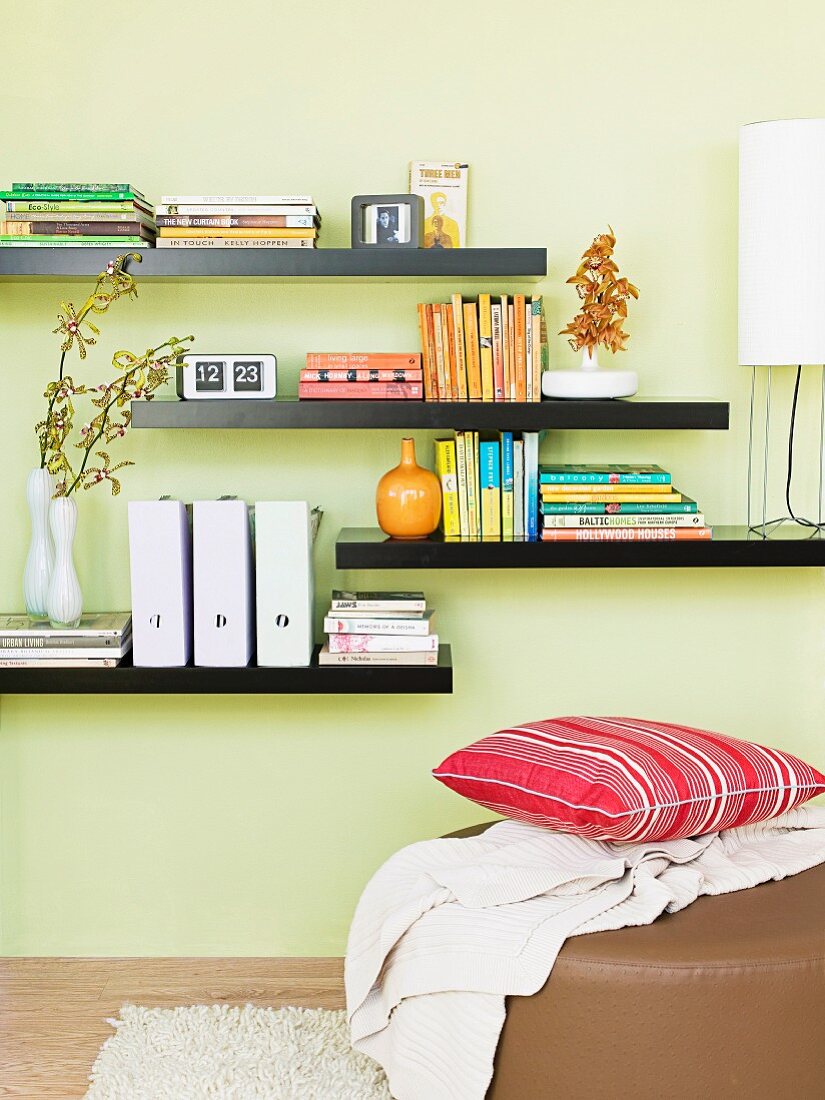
{"x": 217, "y": 1052}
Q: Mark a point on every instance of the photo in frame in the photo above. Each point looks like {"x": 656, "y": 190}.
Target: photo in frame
{"x": 387, "y": 221}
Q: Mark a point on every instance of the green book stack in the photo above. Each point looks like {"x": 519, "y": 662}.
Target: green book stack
{"x": 76, "y": 215}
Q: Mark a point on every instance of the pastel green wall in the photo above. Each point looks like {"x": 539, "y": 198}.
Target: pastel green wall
{"x": 226, "y": 826}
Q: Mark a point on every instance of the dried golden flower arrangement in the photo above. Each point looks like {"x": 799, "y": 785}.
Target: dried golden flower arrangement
{"x": 605, "y": 298}
{"x": 138, "y": 377}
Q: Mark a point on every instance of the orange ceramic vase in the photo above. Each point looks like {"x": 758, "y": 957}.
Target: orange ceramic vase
{"x": 408, "y": 498}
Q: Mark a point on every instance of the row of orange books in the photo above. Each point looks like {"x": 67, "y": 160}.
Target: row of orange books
{"x": 486, "y": 350}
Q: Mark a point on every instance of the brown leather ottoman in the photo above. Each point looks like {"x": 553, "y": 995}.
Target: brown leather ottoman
{"x": 722, "y": 1001}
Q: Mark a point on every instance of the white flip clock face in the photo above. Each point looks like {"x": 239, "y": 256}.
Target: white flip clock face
{"x": 210, "y": 377}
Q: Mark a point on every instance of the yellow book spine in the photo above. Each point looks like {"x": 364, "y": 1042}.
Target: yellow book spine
{"x": 485, "y": 344}
{"x": 473, "y": 358}
{"x": 460, "y": 354}
{"x": 505, "y": 346}
{"x": 279, "y": 234}
{"x": 472, "y": 484}
{"x": 445, "y": 467}
{"x": 570, "y": 497}
{"x": 461, "y": 469}
{"x": 560, "y": 489}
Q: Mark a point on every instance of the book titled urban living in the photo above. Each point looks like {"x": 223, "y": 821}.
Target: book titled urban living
{"x": 99, "y": 638}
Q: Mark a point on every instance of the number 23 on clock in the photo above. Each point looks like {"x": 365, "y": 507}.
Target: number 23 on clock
{"x": 204, "y": 377}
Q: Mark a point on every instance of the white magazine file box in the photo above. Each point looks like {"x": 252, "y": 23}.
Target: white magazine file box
{"x": 223, "y": 583}
{"x": 160, "y": 566}
{"x": 284, "y": 582}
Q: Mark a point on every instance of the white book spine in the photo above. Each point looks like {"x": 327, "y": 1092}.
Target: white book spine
{"x": 236, "y": 200}
{"x": 528, "y": 349}
{"x": 232, "y": 242}
{"x": 382, "y": 643}
{"x": 54, "y": 662}
{"x": 664, "y": 519}
{"x": 214, "y": 209}
{"x": 62, "y": 655}
{"x": 223, "y": 583}
{"x": 518, "y": 489}
{"x": 334, "y": 625}
{"x": 327, "y": 658}
{"x": 160, "y": 554}
{"x": 284, "y": 590}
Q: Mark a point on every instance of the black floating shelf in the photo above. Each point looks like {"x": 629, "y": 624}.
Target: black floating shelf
{"x": 635, "y": 414}
{"x": 527, "y": 264}
{"x": 125, "y": 679}
{"x": 369, "y": 548}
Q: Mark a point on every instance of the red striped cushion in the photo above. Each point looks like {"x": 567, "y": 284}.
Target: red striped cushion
{"x": 628, "y": 779}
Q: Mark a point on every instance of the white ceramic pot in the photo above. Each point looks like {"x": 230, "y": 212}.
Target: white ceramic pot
{"x": 64, "y": 603}
{"x": 40, "y": 559}
{"x": 589, "y": 382}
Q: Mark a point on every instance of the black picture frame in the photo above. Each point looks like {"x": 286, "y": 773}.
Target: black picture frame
{"x": 398, "y": 221}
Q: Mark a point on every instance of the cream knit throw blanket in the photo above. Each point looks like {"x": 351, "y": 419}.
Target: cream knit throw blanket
{"x": 447, "y": 928}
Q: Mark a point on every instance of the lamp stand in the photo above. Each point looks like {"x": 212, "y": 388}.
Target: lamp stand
{"x": 759, "y": 459}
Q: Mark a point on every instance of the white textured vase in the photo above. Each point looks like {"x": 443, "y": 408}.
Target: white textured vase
{"x": 40, "y": 559}
{"x": 64, "y": 603}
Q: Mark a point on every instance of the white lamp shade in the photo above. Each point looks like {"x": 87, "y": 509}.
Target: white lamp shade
{"x": 782, "y": 242}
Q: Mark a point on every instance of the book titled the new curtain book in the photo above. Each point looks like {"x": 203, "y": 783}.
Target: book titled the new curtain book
{"x": 629, "y": 534}
{"x": 613, "y": 474}
{"x": 489, "y": 456}
{"x": 236, "y": 221}
{"x": 447, "y": 473}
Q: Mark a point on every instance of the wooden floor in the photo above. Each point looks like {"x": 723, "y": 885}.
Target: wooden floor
{"x": 53, "y": 1011}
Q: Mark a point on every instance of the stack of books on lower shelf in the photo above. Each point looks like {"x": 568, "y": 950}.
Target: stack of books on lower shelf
{"x": 490, "y": 350}
{"x": 98, "y": 641}
{"x": 489, "y": 486}
{"x": 379, "y": 628}
{"x": 89, "y": 215}
{"x": 616, "y": 503}
{"x": 361, "y": 376}
{"x": 237, "y": 221}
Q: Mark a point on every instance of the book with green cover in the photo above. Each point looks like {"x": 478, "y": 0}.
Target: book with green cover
{"x": 79, "y": 196}
{"x": 675, "y": 508}
{"x": 48, "y": 237}
{"x": 75, "y": 187}
{"x": 609, "y": 474}
{"x": 75, "y": 242}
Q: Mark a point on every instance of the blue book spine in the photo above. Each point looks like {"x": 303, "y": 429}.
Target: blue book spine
{"x": 531, "y": 485}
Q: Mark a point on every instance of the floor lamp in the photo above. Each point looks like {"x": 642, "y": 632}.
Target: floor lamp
{"x": 781, "y": 293}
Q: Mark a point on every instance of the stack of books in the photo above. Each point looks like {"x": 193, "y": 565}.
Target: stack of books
{"x": 100, "y": 641}
{"x": 489, "y": 486}
{"x": 237, "y": 221}
{"x": 361, "y": 376}
{"x": 489, "y": 350}
{"x": 91, "y": 215}
{"x": 379, "y": 628}
{"x": 615, "y": 503}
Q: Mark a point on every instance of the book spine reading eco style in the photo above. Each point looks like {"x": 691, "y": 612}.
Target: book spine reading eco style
{"x": 445, "y": 468}
{"x": 485, "y": 347}
{"x": 213, "y": 210}
{"x": 382, "y": 391}
{"x": 361, "y": 374}
{"x": 61, "y": 206}
{"x": 689, "y": 519}
{"x": 507, "y": 486}
{"x": 629, "y": 534}
{"x": 237, "y": 200}
{"x": 237, "y": 221}
{"x": 335, "y": 625}
{"x": 233, "y": 242}
{"x": 75, "y": 229}
{"x": 490, "y": 490}
{"x": 327, "y": 658}
{"x": 568, "y": 508}
{"x": 321, "y": 360}
{"x": 381, "y": 643}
